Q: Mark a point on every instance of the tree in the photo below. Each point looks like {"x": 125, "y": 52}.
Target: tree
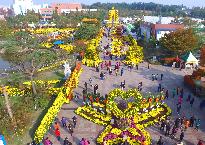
{"x": 180, "y": 41}
{"x": 137, "y": 27}
{"x": 203, "y": 22}
{"x": 87, "y": 31}
{"x": 21, "y": 21}
{"x": 7, "y": 103}
{"x": 24, "y": 52}
{"x": 5, "y": 30}
{"x": 188, "y": 22}
{"x": 202, "y": 56}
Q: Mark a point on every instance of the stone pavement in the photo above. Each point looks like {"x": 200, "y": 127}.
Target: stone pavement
{"x": 172, "y": 78}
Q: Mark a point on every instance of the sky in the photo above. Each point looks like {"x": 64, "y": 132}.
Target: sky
{"x": 188, "y": 3}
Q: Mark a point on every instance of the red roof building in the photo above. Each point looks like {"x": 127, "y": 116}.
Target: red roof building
{"x": 46, "y": 13}
{"x": 62, "y": 7}
{"x": 158, "y": 30}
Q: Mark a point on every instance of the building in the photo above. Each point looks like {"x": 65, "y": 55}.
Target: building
{"x": 157, "y": 31}
{"x": 5, "y": 12}
{"x": 158, "y": 19}
{"x": 2, "y": 17}
{"x": 46, "y": 13}
{"x": 66, "y": 7}
{"x": 22, "y": 6}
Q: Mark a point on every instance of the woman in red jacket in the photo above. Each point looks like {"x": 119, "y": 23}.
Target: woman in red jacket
{"x": 57, "y": 133}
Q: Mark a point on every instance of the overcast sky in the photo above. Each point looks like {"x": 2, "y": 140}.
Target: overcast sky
{"x": 189, "y": 3}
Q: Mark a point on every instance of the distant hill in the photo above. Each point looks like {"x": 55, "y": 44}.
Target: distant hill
{"x": 130, "y": 9}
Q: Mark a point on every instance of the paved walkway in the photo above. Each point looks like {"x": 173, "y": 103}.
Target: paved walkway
{"x": 172, "y": 78}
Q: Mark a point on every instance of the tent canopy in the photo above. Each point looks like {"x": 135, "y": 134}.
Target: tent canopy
{"x": 57, "y": 42}
{"x": 189, "y": 58}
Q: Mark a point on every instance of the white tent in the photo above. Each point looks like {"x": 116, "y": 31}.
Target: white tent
{"x": 190, "y": 60}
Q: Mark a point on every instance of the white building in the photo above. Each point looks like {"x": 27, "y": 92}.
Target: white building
{"x": 67, "y": 11}
{"x": 22, "y": 6}
{"x": 158, "y": 19}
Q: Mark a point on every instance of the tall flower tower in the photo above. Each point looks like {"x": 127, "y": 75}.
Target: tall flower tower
{"x": 113, "y": 16}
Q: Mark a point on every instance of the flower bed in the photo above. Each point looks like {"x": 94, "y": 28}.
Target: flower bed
{"x": 52, "y": 66}
{"x": 55, "y": 108}
{"x": 129, "y": 123}
{"x": 92, "y": 57}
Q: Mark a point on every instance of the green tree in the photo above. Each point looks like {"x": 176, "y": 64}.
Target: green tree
{"x": 5, "y": 30}
{"x": 87, "y": 31}
{"x": 21, "y": 21}
{"x": 24, "y": 52}
{"x": 180, "y": 41}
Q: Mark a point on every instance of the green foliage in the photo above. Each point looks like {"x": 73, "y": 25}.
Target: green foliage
{"x": 5, "y": 30}
{"x": 73, "y": 18}
{"x": 21, "y": 21}
{"x": 87, "y": 32}
{"x": 139, "y": 9}
{"x": 180, "y": 41}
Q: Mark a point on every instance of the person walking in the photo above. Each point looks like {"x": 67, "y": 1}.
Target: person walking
{"x": 178, "y": 89}
{"x": 181, "y": 135}
{"x": 188, "y": 98}
{"x": 110, "y": 71}
{"x": 162, "y": 76}
{"x": 90, "y": 80}
{"x": 57, "y": 133}
{"x": 156, "y": 76}
{"x": 66, "y": 141}
{"x": 47, "y": 142}
{"x": 180, "y": 100}
{"x": 74, "y": 121}
{"x": 182, "y": 120}
{"x": 198, "y": 123}
{"x": 116, "y": 72}
{"x": 101, "y": 65}
{"x": 159, "y": 88}
{"x": 56, "y": 126}
{"x": 167, "y": 94}
{"x": 160, "y": 141}
{"x": 174, "y": 131}
{"x": 122, "y": 71}
{"x": 137, "y": 66}
{"x": 192, "y": 101}
{"x": 173, "y": 92}
{"x": 192, "y": 121}
{"x": 153, "y": 77}
{"x": 200, "y": 142}
{"x": 70, "y": 128}
{"x": 97, "y": 69}
{"x": 84, "y": 142}
{"x": 168, "y": 127}
{"x": 182, "y": 92}
{"x": 63, "y": 121}
{"x": 162, "y": 125}
{"x": 121, "y": 85}
{"x": 186, "y": 124}
{"x": 101, "y": 75}
{"x": 178, "y": 108}
{"x": 110, "y": 64}
{"x": 177, "y": 122}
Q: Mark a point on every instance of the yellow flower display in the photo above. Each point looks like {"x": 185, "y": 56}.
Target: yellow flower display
{"x": 62, "y": 98}
{"x": 52, "y": 66}
{"x": 135, "y": 118}
{"x": 92, "y": 57}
